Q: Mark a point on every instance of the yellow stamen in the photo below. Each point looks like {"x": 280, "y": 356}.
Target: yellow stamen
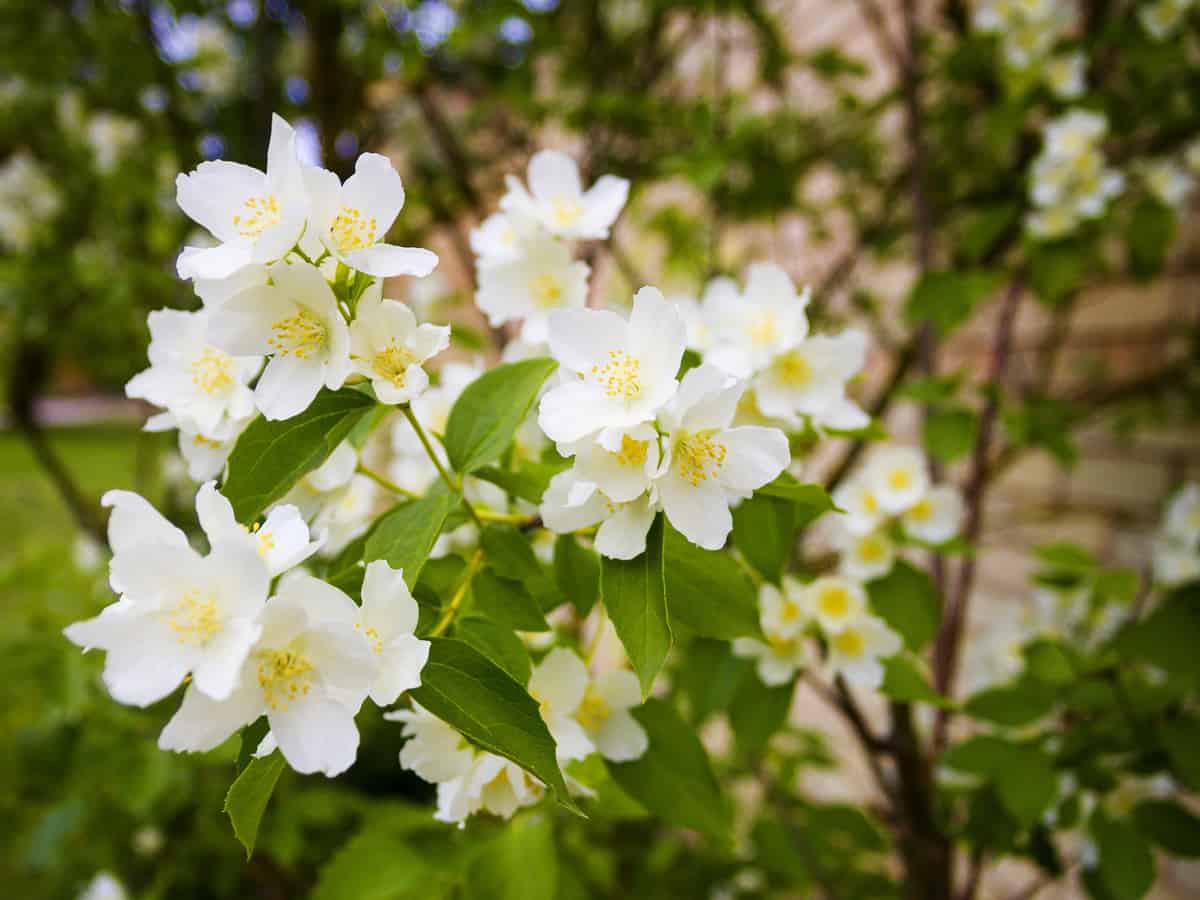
{"x": 212, "y": 370}
{"x": 700, "y": 457}
{"x": 284, "y": 676}
{"x": 351, "y": 230}
{"x": 392, "y": 364}
{"x": 194, "y": 619}
{"x": 593, "y": 711}
{"x": 620, "y": 376}
{"x": 795, "y": 370}
{"x": 302, "y": 335}
{"x": 547, "y": 291}
{"x": 834, "y": 601}
{"x": 262, "y": 213}
{"x": 566, "y": 211}
{"x": 850, "y": 643}
{"x": 632, "y": 452}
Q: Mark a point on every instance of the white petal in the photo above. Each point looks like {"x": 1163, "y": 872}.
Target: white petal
{"x": 387, "y": 261}
{"x": 602, "y": 203}
{"x": 375, "y": 189}
{"x": 621, "y": 737}
{"x": 700, "y": 513}
{"x": 553, "y": 174}
{"x": 215, "y": 513}
{"x": 404, "y": 658}
{"x": 657, "y": 334}
{"x": 618, "y": 688}
{"x": 388, "y": 605}
{"x": 559, "y": 681}
{"x": 202, "y": 723}
{"x": 134, "y": 521}
{"x": 582, "y": 338}
{"x": 572, "y": 410}
{"x": 754, "y": 457}
{"x": 213, "y": 194}
{"x": 571, "y": 741}
{"x": 288, "y": 386}
{"x": 623, "y": 535}
{"x": 220, "y": 667}
{"x": 316, "y": 734}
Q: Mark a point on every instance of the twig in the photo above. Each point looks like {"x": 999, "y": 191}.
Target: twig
{"x": 385, "y": 482}
{"x": 437, "y": 463}
{"x": 459, "y": 593}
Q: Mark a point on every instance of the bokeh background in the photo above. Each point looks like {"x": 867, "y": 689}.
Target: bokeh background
{"x": 749, "y": 130}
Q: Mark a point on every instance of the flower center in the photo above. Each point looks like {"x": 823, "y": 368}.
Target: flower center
{"x": 790, "y": 611}
{"x": 351, "y": 230}
{"x": 700, "y": 458}
{"x": 195, "y": 619}
{"x": 200, "y": 440}
{"x": 899, "y": 479}
{"x": 834, "y": 601}
{"x": 372, "y": 637}
{"x": 869, "y": 504}
{"x": 565, "y": 211}
{"x": 871, "y": 549}
{"x": 795, "y": 370}
{"x": 632, "y": 452}
{"x": 260, "y": 213}
{"x": 850, "y": 643}
{"x": 302, "y": 335}
{"x": 921, "y": 512}
{"x": 763, "y": 329}
{"x": 547, "y": 291}
{"x": 781, "y": 646}
{"x": 620, "y": 376}
{"x": 284, "y": 675}
{"x": 392, "y": 364}
{"x": 593, "y": 711}
{"x": 212, "y": 370}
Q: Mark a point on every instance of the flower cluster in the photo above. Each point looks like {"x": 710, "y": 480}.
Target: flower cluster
{"x": 295, "y": 279}
{"x": 305, "y": 656}
{"x": 525, "y": 266}
{"x": 28, "y": 200}
{"x": 1029, "y": 29}
{"x": 1177, "y": 546}
{"x": 1071, "y": 182}
{"x": 832, "y": 608}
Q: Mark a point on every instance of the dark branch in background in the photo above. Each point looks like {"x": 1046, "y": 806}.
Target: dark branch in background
{"x": 949, "y": 639}
{"x": 879, "y": 32}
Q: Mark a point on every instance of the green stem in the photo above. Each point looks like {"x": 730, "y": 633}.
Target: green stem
{"x": 460, "y": 592}
{"x": 450, "y": 482}
{"x": 385, "y": 482}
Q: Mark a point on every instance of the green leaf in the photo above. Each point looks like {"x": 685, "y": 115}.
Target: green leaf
{"x": 708, "y": 591}
{"x": 710, "y": 677}
{"x": 1126, "y": 865}
{"x": 812, "y": 501}
{"x": 1181, "y": 740}
{"x": 577, "y": 572}
{"x": 497, "y": 643}
{"x": 405, "y": 536}
{"x": 470, "y": 692}
{"x": 248, "y": 795}
{"x": 376, "y": 864}
{"x": 1169, "y": 825}
{"x": 983, "y": 755}
{"x": 757, "y": 712}
{"x": 528, "y": 480}
{"x": 1167, "y": 638}
{"x": 1150, "y": 234}
{"x": 1026, "y": 786}
{"x": 487, "y": 414}
{"x": 1049, "y": 663}
{"x": 1057, "y": 271}
{"x": 251, "y": 737}
{"x": 270, "y": 457}
{"x": 509, "y": 553}
{"x": 520, "y": 863}
{"x": 1013, "y": 704}
{"x": 905, "y": 680}
{"x": 947, "y": 299}
{"x": 907, "y": 600}
{"x": 634, "y": 593}
{"x": 506, "y": 602}
{"x": 764, "y": 529}
{"x": 672, "y": 778}
{"x": 950, "y": 432}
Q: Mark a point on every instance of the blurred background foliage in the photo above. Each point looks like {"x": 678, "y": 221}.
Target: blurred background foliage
{"x": 736, "y": 137}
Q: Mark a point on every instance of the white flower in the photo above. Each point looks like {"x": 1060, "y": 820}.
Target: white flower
{"x": 1161, "y": 18}
{"x": 1191, "y": 156}
{"x": 936, "y": 517}
{"x": 856, "y": 649}
{"x": 434, "y": 750}
{"x": 104, "y": 886}
{"x": 571, "y": 503}
{"x": 621, "y": 464}
{"x": 205, "y": 456}
{"x": 864, "y": 556}
{"x": 898, "y": 478}
{"x": 1182, "y": 519}
{"x": 309, "y": 674}
{"x": 202, "y": 386}
{"x": 862, "y": 511}
{"x": 1168, "y": 181}
{"x": 498, "y": 239}
{"x": 297, "y": 321}
{"x": 604, "y": 715}
{"x": 541, "y": 278}
{"x": 1065, "y": 75}
{"x": 1175, "y": 563}
{"x": 833, "y": 601}
{"x": 346, "y": 513}
{"x": 557, "y": 201}
{"x": 256, "y": 217}
{"x": 810, "y": 380}
{"x": 559, "y": 683}
{"x": 110, "y": 136}
{"x": 352, "y": 219}
{"x": 707, "y": 464}
{"x": 1070, "y": 179}
{"x": 281, "y": 541}
{"x": 29, "y": 199}
{"x": 388, "y": 620}
{"x": 782, "y": 612}
{"x": 214, "y": 292}
{"x": 493, "y": 785}
{"x": 752, "y": 328}
{"x": 777, "y": 660}
{"x": 617, "y": 373}
{"x": 179, "y": 613}
{"x": 389, "y": 347}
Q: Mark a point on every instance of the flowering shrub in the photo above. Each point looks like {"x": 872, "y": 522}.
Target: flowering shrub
{"x": 582, "y": 565}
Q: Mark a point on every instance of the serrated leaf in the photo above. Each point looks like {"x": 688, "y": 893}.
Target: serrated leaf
{"x": 470, "y": 692}
{"x": 487, "y": 414}
{"x": 908, "y": 601}
{"x": 673, "y": 778}
{"x": 248, "y": 795}
{"x": 707, "y": 590}
{"x": 270, "y": 457}
{"x": 405, "y": 536}
{"x": 634, "y": 593}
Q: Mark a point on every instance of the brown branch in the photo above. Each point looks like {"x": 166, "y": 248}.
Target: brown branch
{"x": 877, "y": 24}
